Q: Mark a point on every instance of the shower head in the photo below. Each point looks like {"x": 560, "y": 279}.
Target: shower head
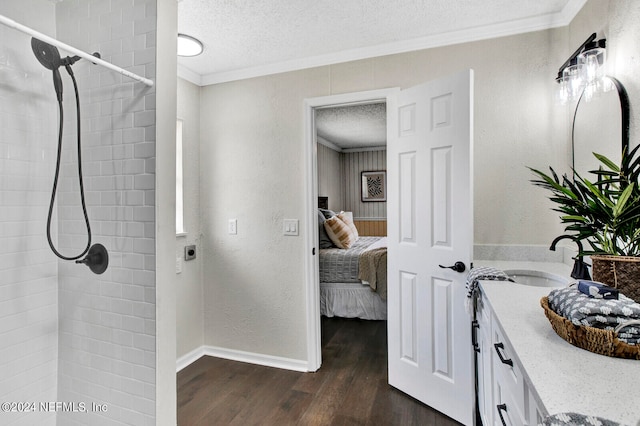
{"x": 46, "y": 54}
{"x": 49, "y": 57}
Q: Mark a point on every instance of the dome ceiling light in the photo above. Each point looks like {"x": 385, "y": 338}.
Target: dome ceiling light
{"x": 189, "y": 46}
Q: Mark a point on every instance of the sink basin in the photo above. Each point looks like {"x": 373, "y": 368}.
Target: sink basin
{"x": 537, "y": 278}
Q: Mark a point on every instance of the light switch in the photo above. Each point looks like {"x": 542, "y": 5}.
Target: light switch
{"x": 233, "y": 226}
{"x": 290, "y": 227}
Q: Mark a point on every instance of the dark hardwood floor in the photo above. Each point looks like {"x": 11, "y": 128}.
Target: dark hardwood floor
{"x": 349, "y": 389}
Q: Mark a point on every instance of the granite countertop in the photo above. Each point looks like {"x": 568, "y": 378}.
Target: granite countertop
{"x": 564, "y": 378}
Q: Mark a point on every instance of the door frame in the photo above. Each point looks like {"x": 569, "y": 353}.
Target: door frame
{"x": 314, "y": 345}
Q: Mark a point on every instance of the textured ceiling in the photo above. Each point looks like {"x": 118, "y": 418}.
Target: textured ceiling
{"x": 247, "y": 38}
{"x": 353, "y": 127}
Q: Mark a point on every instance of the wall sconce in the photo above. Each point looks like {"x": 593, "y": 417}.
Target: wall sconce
{"x": 583, "y": 73}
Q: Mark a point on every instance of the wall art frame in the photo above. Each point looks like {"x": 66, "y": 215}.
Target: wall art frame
{"x": 374, "y": 186}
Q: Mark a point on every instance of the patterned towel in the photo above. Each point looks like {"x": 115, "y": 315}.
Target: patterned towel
{"x": 573, "y": 419}
{"x": 479, "y": 274}
{"x": 605, "y": 314}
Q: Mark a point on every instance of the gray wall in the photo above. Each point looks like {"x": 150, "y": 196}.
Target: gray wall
{"x": 339, "y": 178}
{"x": 353, "y": 164}
{"x": 330, "y": 179}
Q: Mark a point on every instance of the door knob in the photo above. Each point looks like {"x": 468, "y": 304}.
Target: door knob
{"x": 458, "y": 266}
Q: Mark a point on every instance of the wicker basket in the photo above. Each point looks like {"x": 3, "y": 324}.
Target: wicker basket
{"x": 595, "y": 340}
{"x": 621, "y": 272}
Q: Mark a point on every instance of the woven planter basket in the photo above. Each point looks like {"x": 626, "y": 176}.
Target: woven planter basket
{"x": 593, "y": 339}
{"x": 621, "y": 272}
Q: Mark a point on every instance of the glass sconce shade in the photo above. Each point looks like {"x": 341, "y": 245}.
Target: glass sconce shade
{"x": 583, "y": 74}
{"x": 562, "y": 94}
{"x": 591, "y": 63}
{"x": 574, "y": 81}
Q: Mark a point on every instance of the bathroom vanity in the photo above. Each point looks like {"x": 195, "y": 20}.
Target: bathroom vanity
{"x": 526, "y": 371}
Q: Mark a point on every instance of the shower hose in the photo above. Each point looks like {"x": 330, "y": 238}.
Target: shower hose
{"x": 57, "y": 173}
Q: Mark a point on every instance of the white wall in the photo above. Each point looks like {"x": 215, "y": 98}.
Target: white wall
{"x": 251, "y": 141}
{"x": 165, "y": 211}
{"x": 189, "y": 300}
{"x": 107, "y": 323}
{"x": 28, "y": 269}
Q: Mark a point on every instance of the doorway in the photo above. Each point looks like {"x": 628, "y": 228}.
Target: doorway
{"x": 329, "y": 105}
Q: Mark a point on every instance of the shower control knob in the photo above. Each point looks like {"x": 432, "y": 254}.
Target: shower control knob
{"x": 458, "y": 266}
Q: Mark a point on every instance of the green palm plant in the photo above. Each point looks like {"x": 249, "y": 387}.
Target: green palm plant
{"x": 606, "y": 212}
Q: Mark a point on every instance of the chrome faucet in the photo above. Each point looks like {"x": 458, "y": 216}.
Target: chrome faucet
{"x": 580, "y": 268}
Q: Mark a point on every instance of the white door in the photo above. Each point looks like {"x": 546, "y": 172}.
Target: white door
{"x": 430, "y": 219}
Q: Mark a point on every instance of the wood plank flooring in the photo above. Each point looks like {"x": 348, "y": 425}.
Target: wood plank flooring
{"x": 349, "y": 389}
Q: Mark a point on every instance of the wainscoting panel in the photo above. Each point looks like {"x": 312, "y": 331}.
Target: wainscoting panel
{"x": 371, "y": 228}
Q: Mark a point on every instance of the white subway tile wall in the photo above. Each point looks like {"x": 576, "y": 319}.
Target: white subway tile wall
{"x": 28, "y": 269}
{"x": 107, "y": 322}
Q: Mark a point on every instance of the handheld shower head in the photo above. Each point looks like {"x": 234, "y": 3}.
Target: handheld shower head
{"x": 46, "y": 54}
{"x": 49, "y": 57}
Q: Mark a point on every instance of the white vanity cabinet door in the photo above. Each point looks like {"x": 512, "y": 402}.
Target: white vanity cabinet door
{"x": 536, "y": 412}
{"x": 485, "y": 367}
{"x": 510, "y": 392}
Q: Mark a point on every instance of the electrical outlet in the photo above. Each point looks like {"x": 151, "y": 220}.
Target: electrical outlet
{"x": 190, "y": 252}
{"x": 233, "y": 226}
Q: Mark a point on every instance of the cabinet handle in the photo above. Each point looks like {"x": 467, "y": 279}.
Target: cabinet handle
{"x": 502, "y": 407}
{"x": 475, "y": 325}
{"x": 504, "y": 360}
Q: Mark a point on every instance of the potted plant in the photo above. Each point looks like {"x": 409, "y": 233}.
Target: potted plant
{"x": 605, "y": 213}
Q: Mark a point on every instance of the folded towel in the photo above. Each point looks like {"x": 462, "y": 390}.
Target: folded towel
{"x": 478, "y": 274}
{"x": 597, "y": 290}
{"x": 606, "y": 314}
{"x": 574, "y": 419}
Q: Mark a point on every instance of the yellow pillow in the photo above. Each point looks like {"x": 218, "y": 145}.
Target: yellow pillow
{"x": 347, "y": 217}
{"x": 339, "y": 232}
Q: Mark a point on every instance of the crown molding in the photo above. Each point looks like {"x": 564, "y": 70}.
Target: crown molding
{"x": 520, "y": 26}
{"x": 191, "y": 76}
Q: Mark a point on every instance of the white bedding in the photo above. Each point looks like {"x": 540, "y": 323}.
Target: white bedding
{"x": 353, "y": 299}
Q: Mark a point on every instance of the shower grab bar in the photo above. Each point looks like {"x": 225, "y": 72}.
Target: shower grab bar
{"x": 13, "y": 24}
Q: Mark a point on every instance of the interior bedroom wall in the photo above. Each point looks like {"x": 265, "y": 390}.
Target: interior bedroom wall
{"x": 353, "y": 164}
{"x": 252, "y": 143}
{"x": 189, "y": 300}
{"x": 330, "y": 182}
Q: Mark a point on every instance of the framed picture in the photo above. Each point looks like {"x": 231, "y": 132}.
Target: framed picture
{"x": 374, "y": 186}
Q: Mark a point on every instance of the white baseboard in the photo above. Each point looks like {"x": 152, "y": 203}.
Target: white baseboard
{"x": 190, "y": 358}
{"x": 242, "y": 356}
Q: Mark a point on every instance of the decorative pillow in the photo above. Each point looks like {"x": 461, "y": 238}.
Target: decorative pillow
{"x": 327, "y": 213}
{"x": 347, "y": 217}
{"x": 339, "y": 232}
{"x": 324, "y": 240}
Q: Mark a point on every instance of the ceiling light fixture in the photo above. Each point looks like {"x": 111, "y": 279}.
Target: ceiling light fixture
{"x": 189, "y": 46}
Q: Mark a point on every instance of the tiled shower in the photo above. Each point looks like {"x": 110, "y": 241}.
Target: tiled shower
{"x": 84, "y": 342}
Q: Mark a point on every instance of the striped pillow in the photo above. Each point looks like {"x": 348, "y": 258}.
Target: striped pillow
{"x": 347, "y": 217}
{"x": 339, "y": 232}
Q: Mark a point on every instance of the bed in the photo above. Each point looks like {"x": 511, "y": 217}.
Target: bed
{"x": 353, "y": 281}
